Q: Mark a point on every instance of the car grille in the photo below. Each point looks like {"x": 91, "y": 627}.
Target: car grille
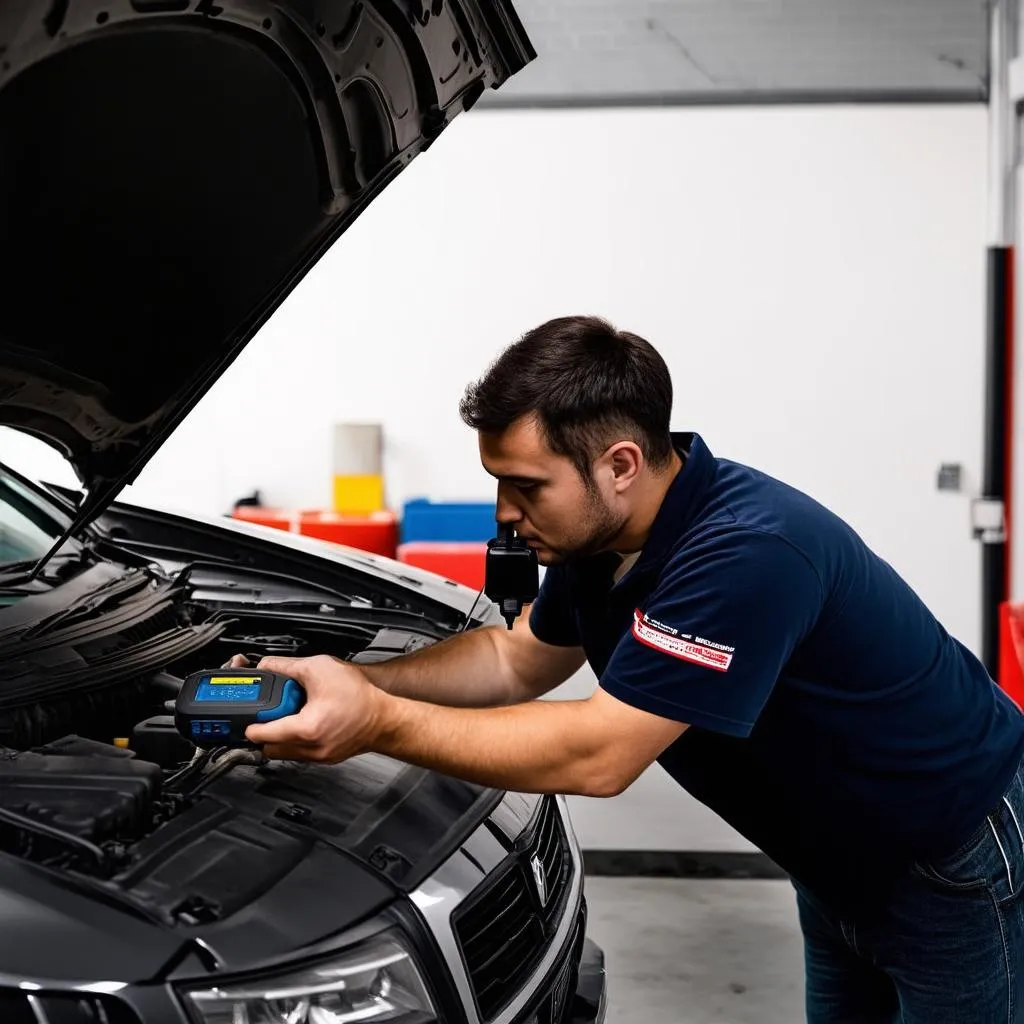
{"x": 505, "y": 927}
{"x": 557, "y": 1005}
{"x": 20, "y": 1007}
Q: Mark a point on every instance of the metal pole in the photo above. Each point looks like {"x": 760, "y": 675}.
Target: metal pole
{"x": 1002, "y": 135}
{"x": 991, "y": 518}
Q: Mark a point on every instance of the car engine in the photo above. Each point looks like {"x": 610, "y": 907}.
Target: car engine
{"x": 90, "y": 760}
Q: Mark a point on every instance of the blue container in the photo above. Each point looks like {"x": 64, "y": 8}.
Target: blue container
{"x": 447, "y": 521}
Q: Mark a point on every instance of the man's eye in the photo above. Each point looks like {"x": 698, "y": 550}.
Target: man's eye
{"x": 526, "y": 488}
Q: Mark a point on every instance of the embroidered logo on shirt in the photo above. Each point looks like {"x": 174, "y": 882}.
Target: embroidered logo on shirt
{"x": 684, "y": 646}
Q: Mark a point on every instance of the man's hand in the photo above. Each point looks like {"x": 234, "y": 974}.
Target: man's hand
{"x": 340, "y": 719}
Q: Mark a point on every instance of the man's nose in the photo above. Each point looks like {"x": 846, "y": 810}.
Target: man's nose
{"x": 507, "y": 511}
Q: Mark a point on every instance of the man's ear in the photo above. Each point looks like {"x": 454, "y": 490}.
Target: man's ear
{"x": 626, "y": 461}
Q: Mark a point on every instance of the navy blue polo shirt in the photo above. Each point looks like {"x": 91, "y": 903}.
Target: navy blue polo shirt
{"x": 833, "y": 721}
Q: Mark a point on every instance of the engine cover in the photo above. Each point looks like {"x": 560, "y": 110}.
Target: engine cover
{"x": 93, "y": 797}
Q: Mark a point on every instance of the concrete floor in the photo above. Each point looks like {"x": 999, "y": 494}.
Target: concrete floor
{"x": 681, "y": 951}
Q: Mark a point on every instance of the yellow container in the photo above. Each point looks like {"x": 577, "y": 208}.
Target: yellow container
{"x": 358, "y": 468}
{"x": 359, "y": 493}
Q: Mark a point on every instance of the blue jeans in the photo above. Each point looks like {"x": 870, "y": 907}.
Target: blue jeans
{"x": 947, "y": 948}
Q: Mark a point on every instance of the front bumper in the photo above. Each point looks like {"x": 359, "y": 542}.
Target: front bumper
{"x": 589, "y": 1002}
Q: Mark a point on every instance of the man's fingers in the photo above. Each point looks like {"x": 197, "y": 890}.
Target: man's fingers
{"x": 285, "y": 730}
{"x": 283, "y": 666}
{"x": 237, "y": 661}
{"x": 321, "y": 730}
{"x": 320, "y": 673}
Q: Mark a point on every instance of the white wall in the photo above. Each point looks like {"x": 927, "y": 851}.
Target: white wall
{"x": 813, "y": 276}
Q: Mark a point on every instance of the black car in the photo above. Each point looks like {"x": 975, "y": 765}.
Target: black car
{"x": 169, "y": 169}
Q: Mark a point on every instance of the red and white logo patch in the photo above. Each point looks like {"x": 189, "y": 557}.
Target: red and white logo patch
{"x": 681, "y": 645}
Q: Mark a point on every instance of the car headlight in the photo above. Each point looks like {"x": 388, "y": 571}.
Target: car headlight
{"x": 374, "y": 982}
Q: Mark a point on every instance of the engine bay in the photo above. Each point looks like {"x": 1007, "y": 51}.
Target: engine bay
{"x": 91, "y": 763}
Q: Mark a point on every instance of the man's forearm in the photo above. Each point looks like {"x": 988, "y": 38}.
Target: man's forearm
{"x": 593, "y": 747}
{"x": 537, "y": 747}
{"x": 464, "y": 671}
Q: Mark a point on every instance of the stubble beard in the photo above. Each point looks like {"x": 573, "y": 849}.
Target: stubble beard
{"x": 598, "y": 527}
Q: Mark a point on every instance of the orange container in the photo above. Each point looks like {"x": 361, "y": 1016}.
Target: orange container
{"x": 375, "y": 532}
{"x": 279, "y": 518}
{"x": 462, "y": 561}
{"x": 1011, "y": 651}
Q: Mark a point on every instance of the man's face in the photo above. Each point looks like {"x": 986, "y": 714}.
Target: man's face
{"x": 543, "y": 496}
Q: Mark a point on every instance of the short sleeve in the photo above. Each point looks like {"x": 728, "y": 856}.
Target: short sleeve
{"x": 708, "y": 645}
{"x": 551, "y": 615}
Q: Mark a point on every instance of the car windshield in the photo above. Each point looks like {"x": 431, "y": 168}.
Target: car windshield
{"x": 29, "y": 525}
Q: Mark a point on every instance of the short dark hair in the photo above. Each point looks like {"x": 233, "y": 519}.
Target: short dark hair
{"x": 587, "y": 383}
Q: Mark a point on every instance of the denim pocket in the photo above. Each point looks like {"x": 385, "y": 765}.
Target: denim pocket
{"x": 993, "y": 858}
{"x": 963, "y": 868}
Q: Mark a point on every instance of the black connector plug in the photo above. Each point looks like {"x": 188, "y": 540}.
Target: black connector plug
{"x": 512, "y": 574}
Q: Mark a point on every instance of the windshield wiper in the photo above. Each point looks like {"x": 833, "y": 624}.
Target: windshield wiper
{"x": 36, "y": 568}
{"x": 26, "y": 570}
{"x": 15, "y": 568}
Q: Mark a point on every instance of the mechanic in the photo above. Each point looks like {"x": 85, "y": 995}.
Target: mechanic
{"x": 748, "y": 640}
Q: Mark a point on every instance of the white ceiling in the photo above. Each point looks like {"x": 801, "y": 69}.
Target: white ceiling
{"x": 707, "y": 51}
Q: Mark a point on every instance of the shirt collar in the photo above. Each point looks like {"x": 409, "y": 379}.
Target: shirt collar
{"x": 683, "y": 500}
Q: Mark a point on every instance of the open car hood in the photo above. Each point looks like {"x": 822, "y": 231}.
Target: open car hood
{"x": 169, "y": 171}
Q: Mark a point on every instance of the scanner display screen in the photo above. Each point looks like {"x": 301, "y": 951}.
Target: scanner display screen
{"x": 228, "y": 691}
